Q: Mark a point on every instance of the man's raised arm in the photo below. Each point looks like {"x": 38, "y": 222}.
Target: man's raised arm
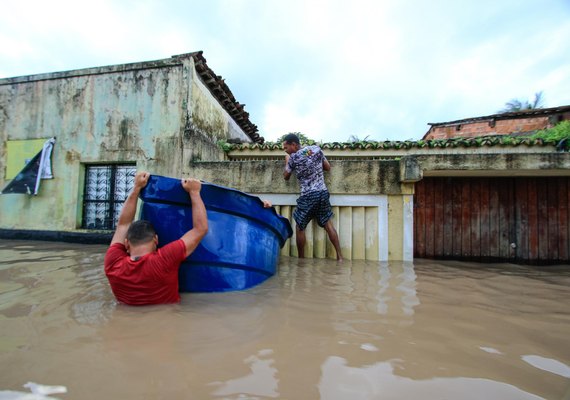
{"x": 286, "y": 174}
{"x": 129, "y": 209}
{"x": 326, "y": 164}
{"x": 199, "y": 217}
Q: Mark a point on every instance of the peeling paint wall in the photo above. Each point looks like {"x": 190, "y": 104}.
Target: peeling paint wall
{"x": 121, "y": 116}
{"x": 346, "y": 177}
{"x": 157, "y": 115}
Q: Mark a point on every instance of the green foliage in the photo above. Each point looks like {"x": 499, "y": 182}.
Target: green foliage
{"x": 302, "y": 138}
{"x": 225, "y": 146}
{"x": 556, "y": 133}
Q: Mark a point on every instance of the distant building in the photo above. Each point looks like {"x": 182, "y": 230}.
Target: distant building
{"x": 524, "y": 122}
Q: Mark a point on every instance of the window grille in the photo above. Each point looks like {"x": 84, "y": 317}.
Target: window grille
{"x": 106, "y": 189}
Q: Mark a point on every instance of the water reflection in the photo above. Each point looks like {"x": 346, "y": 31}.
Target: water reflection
{"x": 379, "y": 381}
{"x": 548, "y": 364}
{"x": 260, "y": 382}
{"x": 397, "y": 288}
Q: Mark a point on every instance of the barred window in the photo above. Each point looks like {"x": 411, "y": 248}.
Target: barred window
{"x": 106, "y": 189}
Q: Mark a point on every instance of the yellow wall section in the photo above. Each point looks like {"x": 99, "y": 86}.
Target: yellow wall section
{"x": 331, "y": 252}
{"x": 19, "y": 152}
{"x": 357, "y": 228}
{"x": 395, "y": 215}
{"x": 358, "y": 233}
{"x": 371, "y": 232}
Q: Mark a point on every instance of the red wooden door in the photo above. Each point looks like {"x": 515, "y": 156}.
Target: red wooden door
{"x": 524, "y": 219}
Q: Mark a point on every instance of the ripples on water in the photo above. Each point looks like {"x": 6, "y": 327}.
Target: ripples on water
{"x": 317, "y": 330}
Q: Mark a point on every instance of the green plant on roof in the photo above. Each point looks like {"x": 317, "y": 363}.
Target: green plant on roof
{"x": 556, "y": 133}
{"x": 559, "y": 134}
{"x": 225, "y": 146}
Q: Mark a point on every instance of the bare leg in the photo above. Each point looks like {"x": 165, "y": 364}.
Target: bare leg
{"x": 301, "y": 239}
{"x": 333, "y": 236}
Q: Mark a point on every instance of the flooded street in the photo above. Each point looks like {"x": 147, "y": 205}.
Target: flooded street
{"x": 317, "y": 330}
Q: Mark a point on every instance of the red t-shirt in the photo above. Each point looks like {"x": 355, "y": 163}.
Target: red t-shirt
{"x": 152, "y": 279}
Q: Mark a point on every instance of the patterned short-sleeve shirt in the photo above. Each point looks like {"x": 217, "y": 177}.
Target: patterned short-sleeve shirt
{"x": 307, "y": 163}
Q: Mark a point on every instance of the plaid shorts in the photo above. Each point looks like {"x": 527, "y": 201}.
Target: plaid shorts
{"x": 313, "y": 205}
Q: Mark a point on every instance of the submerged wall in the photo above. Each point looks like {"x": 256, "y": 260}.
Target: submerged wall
{"x": 371, "y": 199}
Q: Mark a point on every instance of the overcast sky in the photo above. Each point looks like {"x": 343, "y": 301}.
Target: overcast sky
{"x": 381, "y": 69}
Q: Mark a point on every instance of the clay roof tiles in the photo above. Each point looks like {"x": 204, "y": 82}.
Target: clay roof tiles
{"x": 224, "y": 95}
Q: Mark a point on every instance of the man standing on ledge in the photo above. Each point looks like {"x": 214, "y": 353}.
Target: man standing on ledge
{"x": 138, "y": 271}
{"x": 308, "y": 163}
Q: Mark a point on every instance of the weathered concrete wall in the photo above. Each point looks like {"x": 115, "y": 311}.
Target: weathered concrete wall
{"x": 96, "y": 117}
{"x": 372, "y": 201}
{"x": 207, "y": 122}
{"x": 345, "y": 177}
{"x": 263, "y": 153}
{"x": 207, "y": 114}
{"x": 538, "y": 164}
{"x": 155, "y": 114}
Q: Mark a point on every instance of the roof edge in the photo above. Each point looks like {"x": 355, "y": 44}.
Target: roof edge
{"x": 474, "y": 142}
{"x": 508, "y": 115}
{"x": 213, "y": 82}
{"x": 217, "y": 86}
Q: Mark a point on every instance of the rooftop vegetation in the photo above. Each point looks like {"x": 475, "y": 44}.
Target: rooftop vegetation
{"x": 558, "y": 136}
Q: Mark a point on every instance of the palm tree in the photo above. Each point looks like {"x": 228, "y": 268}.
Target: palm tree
{"x": 517, "y": 105}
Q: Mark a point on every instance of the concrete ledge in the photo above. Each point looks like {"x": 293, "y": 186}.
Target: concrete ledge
{"x": 346, "y": 177}
{"x": 540, "y": 164}
{"x": 57, "y": 236}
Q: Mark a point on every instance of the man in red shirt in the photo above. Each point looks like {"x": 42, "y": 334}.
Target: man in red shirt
{"x": 139, "y": 273}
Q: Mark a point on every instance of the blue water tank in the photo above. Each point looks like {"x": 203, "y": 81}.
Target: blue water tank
{"x": 241, "y": 248}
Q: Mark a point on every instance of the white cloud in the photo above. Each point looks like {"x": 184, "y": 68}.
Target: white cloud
{"x": 303, "y": 108}
{"x": 327, "y": 68}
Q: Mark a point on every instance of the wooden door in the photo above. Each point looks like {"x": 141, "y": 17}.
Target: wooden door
{"x": 493, "y": 219}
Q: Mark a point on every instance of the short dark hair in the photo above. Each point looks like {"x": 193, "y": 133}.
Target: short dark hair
{"x": 140, "y": 232}
{"x": 291, "y": 138}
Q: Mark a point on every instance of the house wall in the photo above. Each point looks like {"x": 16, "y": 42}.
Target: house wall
{"x": 495, "y": 126}
{"x": 374, "y": 200}
{"x": 483, "y": 128}
{"x": 156, "y": 115}
{"x": 207, "y": 122}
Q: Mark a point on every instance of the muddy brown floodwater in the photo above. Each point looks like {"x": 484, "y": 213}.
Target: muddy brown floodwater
{"x": 316, "y": 330}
